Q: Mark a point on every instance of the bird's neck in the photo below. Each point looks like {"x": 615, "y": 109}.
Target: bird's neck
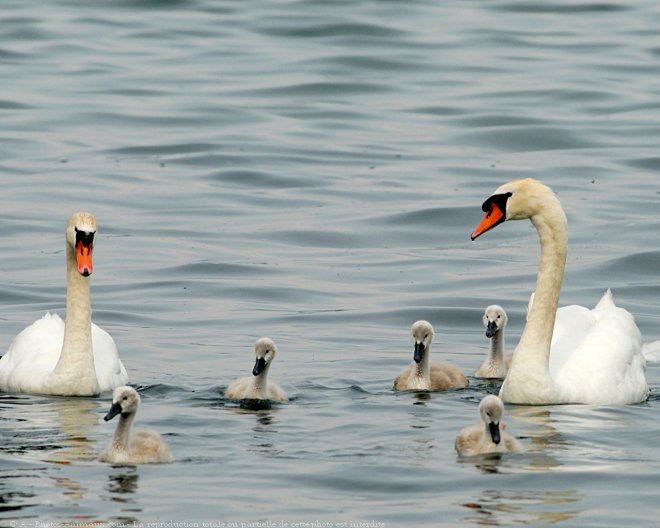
{"x": 422, "y": 369}
{"x": 260, "y": 384}
{"x": 529, "y": 367}
{"x": 496, "y": 353}
{"x": 121, "y": 438}
{"x": 76, "y": 360}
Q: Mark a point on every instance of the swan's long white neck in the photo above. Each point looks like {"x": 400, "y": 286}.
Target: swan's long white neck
{"x": 528, "y": 379}
{"x": 76, "y": 362}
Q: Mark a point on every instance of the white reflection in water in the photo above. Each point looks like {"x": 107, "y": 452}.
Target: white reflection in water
{"x": 503, "y": 507}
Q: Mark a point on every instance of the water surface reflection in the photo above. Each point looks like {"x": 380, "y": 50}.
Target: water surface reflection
{"x": 503, "y": 507}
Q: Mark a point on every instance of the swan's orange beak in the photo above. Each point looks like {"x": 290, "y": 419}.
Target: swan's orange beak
{"x": 493, "y": 217}
{"x": 84, "y": 258}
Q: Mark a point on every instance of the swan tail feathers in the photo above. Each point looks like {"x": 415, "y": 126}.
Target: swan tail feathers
{"x": 606, "y": 301}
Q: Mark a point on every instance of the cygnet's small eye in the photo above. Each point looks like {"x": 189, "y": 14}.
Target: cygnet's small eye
{"x": 498, "y": 316}
{"x": 426, "y": 336}
{"x": 125, "y": 398}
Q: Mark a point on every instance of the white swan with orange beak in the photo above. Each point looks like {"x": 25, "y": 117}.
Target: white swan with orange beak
{"x": 588, "y": 356}
{"x": 76, "y": 358}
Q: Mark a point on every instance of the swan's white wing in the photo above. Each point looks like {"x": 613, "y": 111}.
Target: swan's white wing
{"x": 32, "y": 355}
{"x": 607, "y": 364}
{"x": 110, "y": 371}
{"x": 572, "y": 324}
{"x": 652, "y": 351}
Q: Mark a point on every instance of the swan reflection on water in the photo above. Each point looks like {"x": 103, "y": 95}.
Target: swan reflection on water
{"x": 122, "y": 483}
{"x": 51, "y": 430}
{"x": 541, "y": 438}
{"x": 265, "y": 430}
{"x": 502, "y": 507}
{"x": 64, "y": 425}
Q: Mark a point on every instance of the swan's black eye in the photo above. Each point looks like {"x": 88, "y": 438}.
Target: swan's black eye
{"x": 499, "y": 200}
{"x": 498, "y": 316}
{"x": 125, "y": 398}
{"x": 84, "y": 237}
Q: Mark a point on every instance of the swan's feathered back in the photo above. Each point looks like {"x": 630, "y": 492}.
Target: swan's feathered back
{"x": 604, "y": 353}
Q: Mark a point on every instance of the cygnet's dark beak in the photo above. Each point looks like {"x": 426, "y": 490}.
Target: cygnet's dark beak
{"x": 259, "y": 366}
{"x": 491, "y": 329}
{"x": 114, "y": 411}
{"x": 494, "y": 431}
{"x": 419, "y": 352}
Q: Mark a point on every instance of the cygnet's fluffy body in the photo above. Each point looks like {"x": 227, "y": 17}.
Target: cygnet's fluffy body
{"x": 258, "y": 386}
{"x": 422, "y": 374}
{"x": 489, "y": 436}
{"x": 137, "y": 447}
{"x": 496, "y": 364}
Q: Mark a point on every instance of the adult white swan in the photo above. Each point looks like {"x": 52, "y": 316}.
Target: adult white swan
{"x": 596, "y": 356}
{"x": 73, "y": 359}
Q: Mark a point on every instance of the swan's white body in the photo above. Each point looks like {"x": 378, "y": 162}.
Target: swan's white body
{"x": 495, "y": 365}
{"x": 652, "y": 351}
{"x": 258, "y": 386}
{"x": 422, "y": 374}
{"x": 132, "y": 447}
{"x": 489, "y": 436}
{"x": 592, "y": 356}
{"x": 73, "y": 359}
